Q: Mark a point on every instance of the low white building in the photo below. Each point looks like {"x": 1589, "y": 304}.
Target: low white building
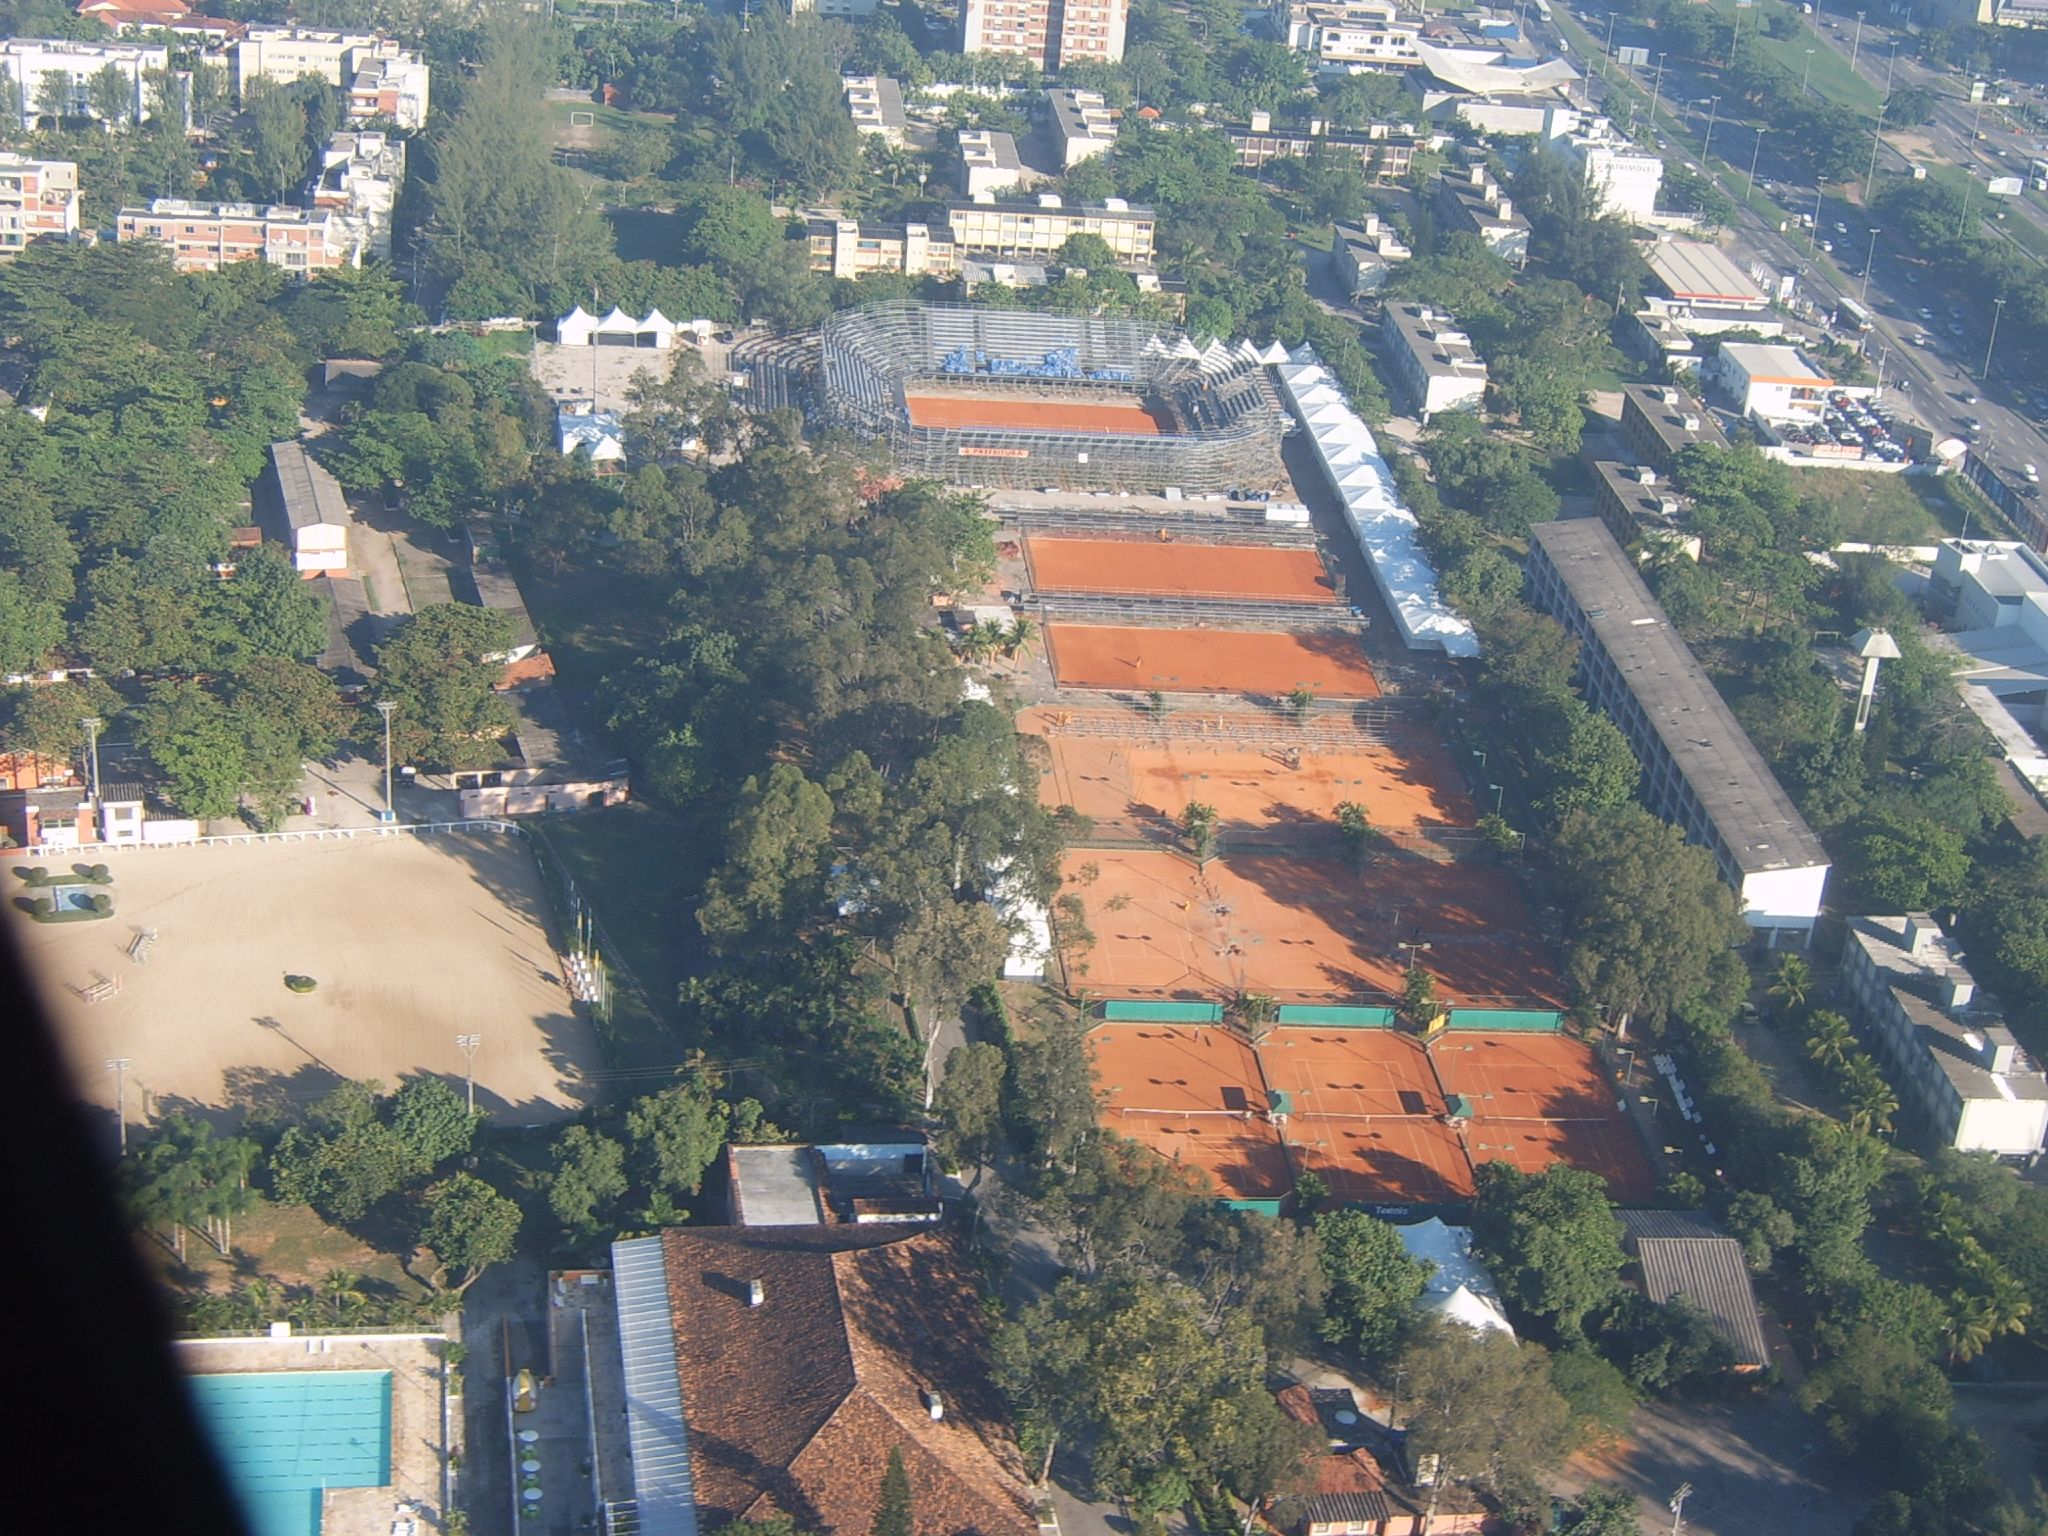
{"x": 988, "y": 162}
{"x": 1433, "y": 359}
{"x": 316, "y": 513}
{"x": 1773, "y": 382}
{"x": 1083, "y": 123}
{"x": 1992, "y": 594}
{"x": 1953, "y": 1062}
{"x": 875, "y": 103}
{"x": 580, "y": 425}
{"x": 578, "y": 328}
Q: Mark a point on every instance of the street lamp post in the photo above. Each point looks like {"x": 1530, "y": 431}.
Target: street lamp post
{"x": 1807, "y": 78}
{"x": 1963, "y": 223}
{"x": 1813, "y": 235}
{"x": 1869, "y": 262}
{"x": 1754, "y": 156}
{"x": 1997, "y": 308}
{"x": 384, "y": 708}
{"x": 1498, "y": 793}
{"x": 468, "y": 1045}
{"x": 92, "y": 724}
{"x": 1857, "y": 43}
{"x": 1657, "y": 90}
{"x": 1890, "y": 69}
{"x": 118, "y": 1065}
{"x": 1684, "y": 1490}
{"x": 1707, "y": 143}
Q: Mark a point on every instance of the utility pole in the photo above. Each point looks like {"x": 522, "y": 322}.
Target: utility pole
{"x": 1678, "y": 1498}
{"x": 1813, "y": 235}
{"x": 384, "y": 708}
{"x": 1807, "y": 78}
{"x": 1963, "y": 223}
{"x": 1997, "y": 308}
{"x": 1754, "y": 156}
{"x": 1856, "y": 45}
{"x": 1890, "y": 69}
{"x": 468, "y": 1045}
{"x": 1869, "y": 262}
{"x": 92, "y": 724}
{"x": 118, "y": 1065}
{"x": 1870, "y": 176}
{"x": 1657, "y": 90}
{"x": 1707, "y": 143}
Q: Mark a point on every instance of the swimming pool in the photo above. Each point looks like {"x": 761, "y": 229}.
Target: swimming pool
{"x": 284, "y": 1436}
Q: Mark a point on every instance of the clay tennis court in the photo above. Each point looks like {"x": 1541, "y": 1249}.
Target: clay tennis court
{"x": 1178, "y": 569}
{"x": 1607, "y": 1147}
{"x": 1143, "y": 787}
{"x": 1330, "y": 662}
{"x": 1195, "y": 1097}
{"x": 1301, "y": 928}
{"x": 1007, "y": 414}
{"x": 1357, "y": 1073}
{"x": 1523, "y": 1076}
{"x": 1383, "y": 1162}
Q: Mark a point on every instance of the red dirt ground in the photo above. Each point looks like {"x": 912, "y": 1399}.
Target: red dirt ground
{"x": 1178, "y": 569}
{"x": 1302, "y": 929}
{"x": 1384, "y": 1162}
{"x": 1007, "y": 414}
{"x": 1194, "y": 1096}
{"x": 1143, "y": 787}
{"x": 1210, "y": 660}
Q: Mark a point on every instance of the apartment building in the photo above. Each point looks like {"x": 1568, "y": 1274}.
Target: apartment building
{"x": 1774, "y": 383}
{"x": 60, "y": 72}
{"x": 1351, "y": 37}
{"x": 875, "y": 103}
{"x": 204, "y": 237}
{"x": 1364, "y": 256}
{"x": 1051, "y": 33}
{"x": 1083, "y": 124}
{"x": 1700, "y": 770}
{"x": 383, "y": 80}
{"x": 1433, "y": 359}
{"x": 1471, "y": 200}
{"x": 837, "y": 9}
{"x": 848, "y": 248}
{"x": 38, "y": 201}
{"x": 1953, "y": 1062}
{"x": 1661, "y": 421}
{"x": 988, "y": 163}
{"x": 1384, "y": 151}
{"x": 360, "y": 177}
{"x": 1638, "y": 505}
{"x": 1620, "y": 178}
{"x": 1040, "y": 228}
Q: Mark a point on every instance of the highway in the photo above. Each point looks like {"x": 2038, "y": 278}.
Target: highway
{"x": 1932, "y": 365}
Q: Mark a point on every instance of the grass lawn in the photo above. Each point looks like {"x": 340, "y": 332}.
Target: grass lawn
{"x": 1881, "y": 509}
{"x": 608, "y": 119}
{"x": 289, "y": 1244}
{"x": 1831, "y": 75}
{"x": 506, "y": 343}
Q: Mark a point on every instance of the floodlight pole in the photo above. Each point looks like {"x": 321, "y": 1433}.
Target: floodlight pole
{"x": 118, "y": 1065}
{"x": 1657, "y": 90}
{"x": 468, "y": 1044}
{"x": 384, "y": 708}
{"x": 1754, "y": 156}
{"x": 1870, "y": 260}
{"x": 92, "y": 724}
{"x": 1997, "y": 309}
{"x": 1854, "y": 48}
{"x": 1684, "y": 1491}
{"x": 1707, "y": 144}
{"x": 1499, "y": 793}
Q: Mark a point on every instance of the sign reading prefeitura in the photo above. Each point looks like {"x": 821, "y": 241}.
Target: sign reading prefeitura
{"x": 995, "y": 453}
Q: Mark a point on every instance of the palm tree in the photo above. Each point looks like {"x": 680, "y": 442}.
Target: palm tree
{"x": 1831, "y": 1040}
{"x": 338, "y": 1287}
{"x": 1791, "y": 980}
{"x": 2008, "y": 1303}
{"x": 1972, "y": 1325}
{"x": 1872, "y": 1105}
{"x": 1017, "y": 637}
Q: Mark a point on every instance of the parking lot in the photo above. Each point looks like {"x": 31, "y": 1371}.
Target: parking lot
{"x": 1849, "y": 425}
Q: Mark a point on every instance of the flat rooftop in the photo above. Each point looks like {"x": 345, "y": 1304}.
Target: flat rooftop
{"x": 311, "y": 494}
{"x": 875, "y": 102}
{"x": 1081, "y": 115}
{"x": 989, "y": 149}
{"x": 1738, "y": 793}
{"x": 1443, "y": 350}
{"x": 1644, "y": 503}
{"x": 1955, "y": 1041}
{"x": 1693, "y": 269}
{"x": 1772, "y": 365}
{"x": 1668, "y": 410}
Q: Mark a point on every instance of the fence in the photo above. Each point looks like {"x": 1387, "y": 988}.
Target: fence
{"x": 311, "y": 835}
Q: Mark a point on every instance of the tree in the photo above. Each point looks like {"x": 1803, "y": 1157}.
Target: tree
{"x": 469, "y": 1226}
{"x": 1418, "y": 997}
{"x": 432, "y": 1120}
{"x": 894, "y": 1515}
{"x": 192, "y": 740}
{"x": 1587, "y": 764}
{"x": 1354, "y": 825}
{"x": 276, "y": 127}
{"x": 1600, "y": 1397}
{"x": 1832, "y": 1041}
{"x": 1198, "y": 828}
{"x": 1649, "y": 923}
{"x": 30, "y": 627}
{"x": 1482, "y": 1406}
{"x": 589, "y": 1173}
{"x": 111, "y": 95}
{"x": 969, "y": 1105}
{"x": 775, "y": 852}
{"x": 675, "y": 1135}
{"x": 1551, "y": 1240}
{"x": 268, "y": 611}
{"x": 1373, "y": 1281}
{"x": 1603, "y": 1511}
{"x": 1791, "y": 980}
{"x": 438, "y": 666}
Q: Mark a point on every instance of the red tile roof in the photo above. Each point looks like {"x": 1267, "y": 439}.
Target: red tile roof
{"x": 793, "y": 1406}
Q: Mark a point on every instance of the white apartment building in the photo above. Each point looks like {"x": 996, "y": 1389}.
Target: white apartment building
{"x": 38, "y": 201}
{"x": 360, "y": 177}
{"x": 850, "y": 249}
{"x": 1620, "y": 178}
{"x": 1775, "y": 383}
{"x": 1042, "y": 227}
{"x": 875, "y": 103}
{"x": 1050, "y": 33}
{"x": 1350, "y": 37}
{"x": 383, "y": 80}
{"x": 1433, "y": 359}
{"x": 39, "y": 66}
{"x": 1953, "y": 1062}
{"x": 1083, "y": 123}
{"x": 204, "y": 237}
{"x": 839, "y": 9}
{"x": 1992, "y": 595}
{"x": 988, "y": 162}
{"x": 1701, "y": 772}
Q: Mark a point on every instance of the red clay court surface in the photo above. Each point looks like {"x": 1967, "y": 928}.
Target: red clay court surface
{"x": 1249, "y": 571}
{"x": 1301, "y": 929}
{"x": 1144, "y": 786}
{"x": 1194, "y": 1097}
{"x": 1005, "y": 414}
{"x": 1367, "y": 1110}
{"x": 1332, "y": 662}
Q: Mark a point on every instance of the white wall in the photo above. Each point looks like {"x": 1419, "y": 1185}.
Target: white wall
{"x": 2012, "y": 1128}
{"x": 1783, "y": 898}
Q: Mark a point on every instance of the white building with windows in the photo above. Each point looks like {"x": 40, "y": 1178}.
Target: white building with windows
{"x": 1433, "y": 359}
{"x": 1620, "y": 178}
{"x": 60, "y": 73}
{"x": 1954, "y": 1064}
{"x": 1773, "y": 382}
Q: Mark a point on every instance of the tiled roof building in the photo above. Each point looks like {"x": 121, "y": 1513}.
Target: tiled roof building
{"x": 805, "y": 1354}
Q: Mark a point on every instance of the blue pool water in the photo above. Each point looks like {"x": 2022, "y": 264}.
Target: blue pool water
{"x": 283, "y": 1436}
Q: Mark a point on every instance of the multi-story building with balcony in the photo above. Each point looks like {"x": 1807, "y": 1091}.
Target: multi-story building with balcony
{"x": 204, "y": 237}
{"x": 1051, "y": 33}
{"x": 1040, "y": 228}
{"x": 384, "y": 81}
{"x": 38, "y": 201}
{"x": 360, "y": 177}
{"x": 57, "y": 76}
{"x": 1433, "y": 359}
{"x": 1084, "y": 124}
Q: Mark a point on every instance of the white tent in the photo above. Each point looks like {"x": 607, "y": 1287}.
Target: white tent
{"x": 1385, "y": 530}
{"x": 578, "y": 328}
{"x": 597, "y": 431}
{"x": 1459, "y": 1288}
{"x": 575, "y": 328}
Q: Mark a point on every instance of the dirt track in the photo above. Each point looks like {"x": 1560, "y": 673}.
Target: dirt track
{"x": 413, "y": 941}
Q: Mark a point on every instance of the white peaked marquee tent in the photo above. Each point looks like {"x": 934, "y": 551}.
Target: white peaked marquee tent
{"x": 1460, "y": 1289}
{"x": 1385, "y": 530}
{"x": 578, "y": 328}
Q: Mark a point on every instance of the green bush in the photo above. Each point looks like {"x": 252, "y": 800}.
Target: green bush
{"x": 300, "y": 984}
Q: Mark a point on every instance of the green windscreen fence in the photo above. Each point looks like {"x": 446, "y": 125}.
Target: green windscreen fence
{"x": 1337, "y": 1018}
{"x": 1133, "y": 1012}
{"x": 1531, "y": 1020}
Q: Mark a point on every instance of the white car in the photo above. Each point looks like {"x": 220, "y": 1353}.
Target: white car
{"x": 2033, "y": 475}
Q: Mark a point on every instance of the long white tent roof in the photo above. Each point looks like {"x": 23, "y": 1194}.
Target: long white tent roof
{"x": 1385, "y": 530}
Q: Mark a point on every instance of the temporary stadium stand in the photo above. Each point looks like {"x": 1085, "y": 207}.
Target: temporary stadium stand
{"x": 1385, "y": 530}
